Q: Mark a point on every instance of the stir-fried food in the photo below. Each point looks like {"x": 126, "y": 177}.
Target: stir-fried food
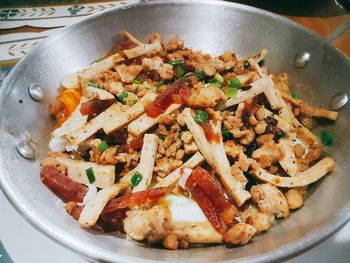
{"x": 176, "y": 147}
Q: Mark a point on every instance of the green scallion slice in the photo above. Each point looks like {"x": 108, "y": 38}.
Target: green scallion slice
{"x": 181, "y": 73}
{"x": 246, "y": 64}
{"x": 326, "y": 137}
{"x": 91, "y": 84}
{"x": 90, "y": 175}
{"x": 99, "y": 59}
{"x": 103, "y": 146}
{"x": 261, "y": 62}
{"x": 219, "y": 78}
{"x": 199, "y": 74}
{"x": 136, "y": 80}
{"x": 226, "y": 135}
{"x": 177, "y": 63}
{"x": 235, "y": 83}
{"x": 122, "y": 96}
{"x": 180, "y": 135}
{"x": 295, "y": 95}
{"x": 136, "y": 178}
{"x": 231, "y": 92}
{"x": 159, "y": 84}
{"x": 201, "y": 116}
{"x": 219, "y": 106}
{"x": 215, "y": 82}
{"x": 161, "y": 136}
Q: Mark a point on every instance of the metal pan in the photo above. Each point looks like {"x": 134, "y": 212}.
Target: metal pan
{"x": 212, "y": 26}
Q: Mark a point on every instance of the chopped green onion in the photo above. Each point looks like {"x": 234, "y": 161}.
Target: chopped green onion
{"x": 181, "y": 73}
{"x": 226, "y": 135}
{"x": 231, "y": 92}
{"x": 180, "y": 135}
{"x": 219, "y": 78}
{"x": 220, "y": 106}
{"x": 103, "y": 146}
{"x": 99, "y": 59}
{"x": 201, "y": 116}
{"x": 215, "y": 82}
{"x": 326, "y": 137}
{"x": 295, "y": 95}
{"x": 235, "y": 83}
{"x": 246, "y": 64}
{"x": 130, "y": 102}
{"x": 123, "y": 95}
{"x": 90, "y": 175}
{"x": 161, "y": 136}
{"x": 159, "y": 84}
{"x": 136, "y": 80}
{"x": 261, "y": 62}
{"x": 177, "y": 63}
{"x": 186, "y": 79}
{"x": 91, "y": 84}
{"x": 136, "y": 179}
{"x": 199, "y": 74}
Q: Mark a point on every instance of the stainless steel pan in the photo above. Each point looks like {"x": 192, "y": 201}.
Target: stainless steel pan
{"x": 211, "y": 26}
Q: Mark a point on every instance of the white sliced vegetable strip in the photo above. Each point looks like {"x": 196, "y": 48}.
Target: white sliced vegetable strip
{"x": 132, "y": 38}
{"x": 76, "y": 170}
{"x": 147, "y": 159}
{"x": 94, "y": 125}
{"x": 288, "y": 161}
{"x": 304, "y": 134}
{"x": 316, "y": 112}
{"x": 92, "y": 210}
{"x": 174, "y": 176}
{"x": 265, "y": 84}
{"x": 316, "y": 172}
{"x": 102, "y": 94}
{"x": 117, "y": 120}
{"x": 100, "y": 66}
{"x": 215, "y": 155}
{"x": 197, "y": 232}
{"x": 143, "y": 50}
{"x": 144, "y": 122}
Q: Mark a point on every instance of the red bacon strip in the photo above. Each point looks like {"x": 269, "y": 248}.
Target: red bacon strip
{"x": 134, "y": 199}
{"x": 210, "y": 196}
{"x": 134, "y": 144}
{"x": 209, "y": 209}
{"x": 95, "y": 107}
{"x": 66, "y": 188}
{"x": 165, "y": 99}
{"x": 209, "y": 132}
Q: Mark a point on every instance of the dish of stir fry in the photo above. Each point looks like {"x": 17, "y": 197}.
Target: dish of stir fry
{"x": 175, "y": 147}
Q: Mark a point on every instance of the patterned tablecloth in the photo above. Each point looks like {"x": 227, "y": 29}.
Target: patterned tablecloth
{"x": 24, "y": 23}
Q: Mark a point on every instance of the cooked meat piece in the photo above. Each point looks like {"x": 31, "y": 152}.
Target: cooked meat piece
{"x": 259, "y": 221}
{"x": 269, "y": 153}
{"x": 270, "y": 200}
{"x": 294, "y": 198}
{"x": 239, "y": 234}
{"x": 152, "y": 224}
{"x": 170, "y": 242}
{"x": 205, "y": 96}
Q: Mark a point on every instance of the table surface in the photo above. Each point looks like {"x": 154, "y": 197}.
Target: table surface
{"x": 24, "y": 244}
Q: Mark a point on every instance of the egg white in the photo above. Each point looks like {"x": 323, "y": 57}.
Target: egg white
{"x": 184, "y": 209}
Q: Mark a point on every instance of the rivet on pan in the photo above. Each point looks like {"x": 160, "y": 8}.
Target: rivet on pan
{"x": 36, "y": 92}
{"x": 338, "y": 101}
{"x": 25, "y": 148}
{"x": 301, "y": 59}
